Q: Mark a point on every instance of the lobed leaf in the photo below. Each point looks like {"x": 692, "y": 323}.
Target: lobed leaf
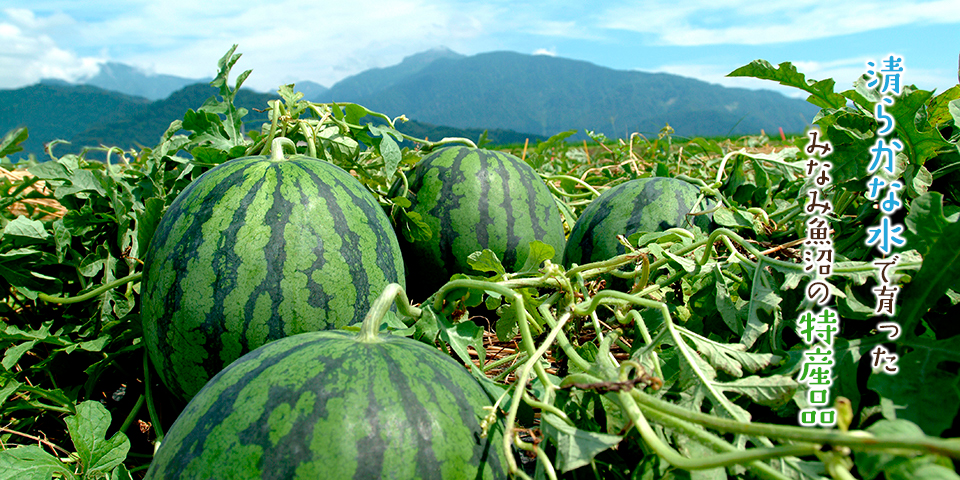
{"x": 31, "y": 463}
{"x": 821, "y": 92}
{"x": 88, "y": 429}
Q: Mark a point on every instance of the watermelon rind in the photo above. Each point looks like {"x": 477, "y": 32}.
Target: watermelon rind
{"x": 474, "y": 199}
{"x": 256, "y": 249}
{"x": 327, "y": 405}
{"x": 652, "y": 204}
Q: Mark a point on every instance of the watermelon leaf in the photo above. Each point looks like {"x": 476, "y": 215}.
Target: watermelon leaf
{"x": 732, "y": 358}
{"x": 871, "y": 464}
{"x": 821, "y": 93}
{"x": 88, "y": 429}
{"x": 388, "y": 148}
{"x": 539, "y": 253}
{"x": 460, "y": 337}
{"x": 232, "y": 127}
{"x": 12, "y": 140}
{"x": 762, "y": 297}
{"x": 507, "y": 326}
{"x": 486, "y": 261}
{"x": 925, "y": 384}
{"x": 575, "y": 447}
{"x": 939, "y": 272}
{"x": 926, "y": 221}
{"x": 413, "y": 227}
{"x": 31, "y": 463}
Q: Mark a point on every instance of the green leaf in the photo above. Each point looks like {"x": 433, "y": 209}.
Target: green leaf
{"x": 848, "y": 355}
{"x": 341, "y": 146}
{"x": 232, "y": 126}
{"x": 427, "y": 327}
{"x": 31, "y": 463}
{"x": 388, "y": 148}
{"x": 926, "y": 387}
{"x": 762, "y": 297}
{"x": 920, "y": 468}
{"x": 460, "y": 336}
{"x": 940, "y": 271}
{"x": 82, "y": 181}
{"x": 120, "y": 473}
{"x": 539, "y": 253}
{"x": 921, "y": 142}
{"x": 852, "y": 136}
{"x": 88, "y": 429}
{"x": 293, "y": 100}
{"x": 12, "y": 140}
{"x": 772, "y": 391}
{"x": 49, "y": 170}
{"x": 871, "y": 463}
{"x": 12, "y": 355}
{"x": 926, "y": 222}
{"x": 24, "y": 228}
{"x": 688, "y": 265}
{"x": 62, "y": 239}
{"x": 725, "y": 305}
{"x": 486, "y": 261}
{"x": 402, "y": 202}
{"x": 575, "y": 447}
{"x": 731, "y": 357}
{"x": 732, "y": 217}
{"x": 506, "y": 327}
{"x": 147, "y": 221}
{"x": 8, "y": 385}
{"x": 821, "y": 93}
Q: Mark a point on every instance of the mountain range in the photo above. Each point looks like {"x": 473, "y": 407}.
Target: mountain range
{"x": 513, "y": 96}
{"x": 543, "y": 95}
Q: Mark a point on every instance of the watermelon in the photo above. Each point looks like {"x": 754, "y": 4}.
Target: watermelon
{"x": 256, "y": 249}
{"x": 336, "y": 405}
{"x": 640, "y": 205}
{"x": 474, "y": 199}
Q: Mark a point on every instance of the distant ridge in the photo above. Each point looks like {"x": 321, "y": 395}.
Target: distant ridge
{"x": 544, "y": 95}
{"x": 133, "y": 81}
{"x": 374, "y": 80}
{"x": 60, "y": 110}
{"x": 513, "y": 96}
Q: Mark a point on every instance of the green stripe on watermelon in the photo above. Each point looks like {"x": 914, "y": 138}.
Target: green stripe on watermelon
{"x": 474, "y": 199}
{"x": 257, "y": 249}
{"x": 640, "y": 205}
{"x": 335, "y": 405}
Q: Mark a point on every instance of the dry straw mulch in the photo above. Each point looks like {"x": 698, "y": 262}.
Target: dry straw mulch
{"x": 40, "y": 208}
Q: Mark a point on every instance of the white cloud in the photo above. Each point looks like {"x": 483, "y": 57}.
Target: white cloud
{"x": 744, "y": 22}
{"x": 320, "y": 41}
{"x": 550, "y": 52}
{"x": 29, "y": 53}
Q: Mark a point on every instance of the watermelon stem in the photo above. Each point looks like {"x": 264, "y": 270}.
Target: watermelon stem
{"x": 92, "y": 293}
{"x": 309, "y": 133}
{"x": 151, "y": 407}
{"x": 392, "y": 294}
{"x": 266, "y": 141}
{"x": 276, "y": 148}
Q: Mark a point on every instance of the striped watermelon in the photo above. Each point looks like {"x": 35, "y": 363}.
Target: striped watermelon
{"x": 256, "y": 249}
{"x": 335, "y": 405}
{"x": 475, "y": 199}
{"x": 639, "y": 205}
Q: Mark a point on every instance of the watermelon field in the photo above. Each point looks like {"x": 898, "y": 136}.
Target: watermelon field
{"x": 323, "y": 296}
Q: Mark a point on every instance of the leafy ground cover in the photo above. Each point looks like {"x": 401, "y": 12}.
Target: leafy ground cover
{"x": 690, "y": 374}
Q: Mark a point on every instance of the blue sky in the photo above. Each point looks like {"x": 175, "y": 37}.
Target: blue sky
{"x": 285, "y": 41}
